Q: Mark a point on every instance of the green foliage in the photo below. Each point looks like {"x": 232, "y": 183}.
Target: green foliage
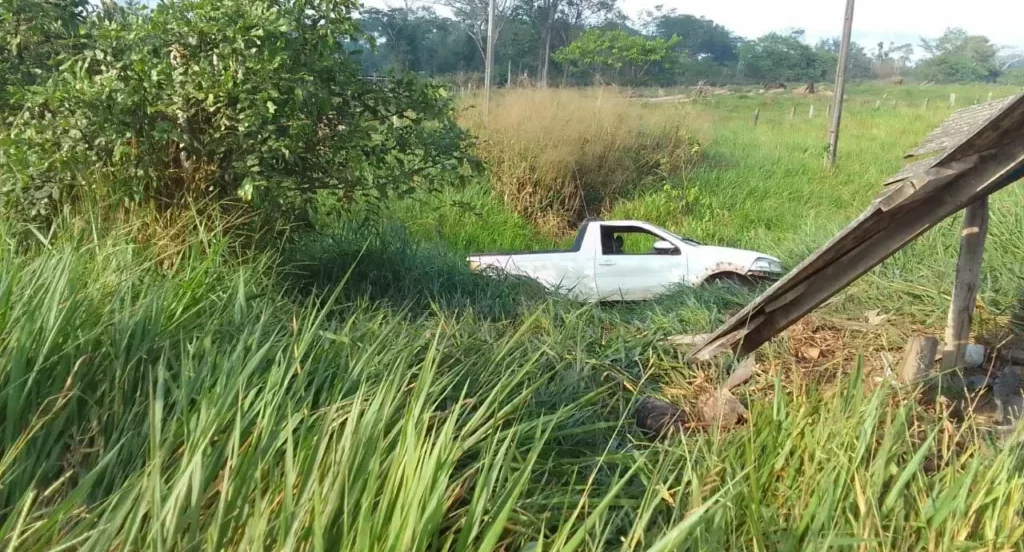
{"x": 194, "y": 398}
{"x": 417, "y": 40}
{"x": 1012, "y": 77}
{"x": 255, "y": 100}
{"x": 954, "y": 67}
{"x": 32, "y": 34}
{"x": 699, "y": 38}
{"x": 617, "y": 56}
{"x": 859, "y": 65}
{"x": 959, "y": 57}
{"x": 784, "y": 58}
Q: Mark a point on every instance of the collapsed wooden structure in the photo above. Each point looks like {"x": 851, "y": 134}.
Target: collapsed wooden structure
{"x": 980, "y": 151}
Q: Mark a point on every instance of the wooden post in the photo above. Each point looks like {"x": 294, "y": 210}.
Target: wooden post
{"x": 836, "y": 113}
{"x": 926, "y": 102}
{"x": 792, "y": 113}
{"x": 878, "y": 105}
{"x": 757, "y": 115}
{"x": 965, "y": 289}
{"x": 952, "y": 100}
{"x": 918, "y": 359}
{"x": 810, "y": 114}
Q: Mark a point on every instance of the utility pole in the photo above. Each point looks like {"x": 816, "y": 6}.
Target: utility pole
{"x": 837, "y": 106}
{"x": 489, "y": 62}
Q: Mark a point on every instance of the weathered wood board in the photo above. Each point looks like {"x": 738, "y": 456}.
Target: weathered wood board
{"x": 984, "y": 152}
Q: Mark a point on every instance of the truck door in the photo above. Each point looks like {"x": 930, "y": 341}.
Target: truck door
{"x": 629, "y": 267}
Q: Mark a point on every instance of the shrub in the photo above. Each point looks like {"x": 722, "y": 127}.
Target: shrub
{"x": 1013, "y": 77}
{"x": 561, "y": 155}
{"x": 32, "y": 34}
{"x": 956, "y": 67}
{"x": 258, "y": 100}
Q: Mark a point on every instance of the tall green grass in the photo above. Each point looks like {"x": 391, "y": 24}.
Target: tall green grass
{"x": 212, "y": 404}
{"x": 168, "y": 389}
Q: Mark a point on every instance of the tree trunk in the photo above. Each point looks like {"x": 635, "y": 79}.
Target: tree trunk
{"x": 547, "y": 58}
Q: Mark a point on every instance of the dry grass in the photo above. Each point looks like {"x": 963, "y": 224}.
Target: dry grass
{"x": 559, "y": 156}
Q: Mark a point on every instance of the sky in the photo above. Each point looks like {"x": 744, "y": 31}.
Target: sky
{"x": 896, "y": 20}
{"x": 899, "y": 21}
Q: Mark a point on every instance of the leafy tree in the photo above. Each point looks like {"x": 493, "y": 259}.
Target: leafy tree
{"x": 473, "y": 14}
{"x": 779, "y": 57}
{"x": 957, "y": 56}
{"x": 617, "y": 54}
{"x": 418, "y": 40}
{"x": 1013, "y": 76}
{"x": 700, "y": 38}
{"x": 252, "y": 99}
{"x": 32, "y": 34}
{"x": 859, "y": 64}
{"x": 890, "y": 61}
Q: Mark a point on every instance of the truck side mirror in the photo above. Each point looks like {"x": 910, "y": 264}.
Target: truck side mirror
{"x": 665, "y": 248}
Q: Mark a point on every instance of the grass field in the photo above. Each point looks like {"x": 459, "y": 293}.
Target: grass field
{"x": 361, "y": 390}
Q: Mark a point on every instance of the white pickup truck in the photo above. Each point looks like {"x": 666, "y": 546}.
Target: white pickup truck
{"x": 628, "y": 260}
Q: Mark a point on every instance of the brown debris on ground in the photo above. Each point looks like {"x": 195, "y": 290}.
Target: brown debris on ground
{"x": 819, "y": 350}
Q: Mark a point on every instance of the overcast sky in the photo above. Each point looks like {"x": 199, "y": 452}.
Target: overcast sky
{"x": 874, "y": 20}
{"x": 896, "y": 20}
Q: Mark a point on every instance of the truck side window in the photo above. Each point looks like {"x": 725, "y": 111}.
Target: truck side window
{"x": 628, "y": 240}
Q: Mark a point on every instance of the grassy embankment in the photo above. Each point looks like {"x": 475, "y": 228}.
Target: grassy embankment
{"x": 173, "y": 398}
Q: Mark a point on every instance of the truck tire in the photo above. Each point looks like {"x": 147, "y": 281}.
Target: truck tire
{"x": 734, "y": 278}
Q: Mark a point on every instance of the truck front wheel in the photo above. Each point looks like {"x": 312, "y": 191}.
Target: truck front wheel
{"x": 733, "y": 278}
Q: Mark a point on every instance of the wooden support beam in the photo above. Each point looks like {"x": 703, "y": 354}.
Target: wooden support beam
{"x": 965, "y": 290}
{"x": 873, "y": 237}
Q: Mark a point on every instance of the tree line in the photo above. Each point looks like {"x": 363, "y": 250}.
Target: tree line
{"x": 578, "y": 42}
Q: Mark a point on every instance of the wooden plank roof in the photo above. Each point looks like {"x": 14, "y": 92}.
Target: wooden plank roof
{"x": 982, "y": 152}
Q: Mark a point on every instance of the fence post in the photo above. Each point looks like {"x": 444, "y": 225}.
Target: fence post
{"x": 757, "y": 115}
{"x": 926, "y": 102}
{"x": 810, "y": 114}
{"x": 878, "y": 104}
{"x": 792, "y": 113}
{"x": 952, "y": 100}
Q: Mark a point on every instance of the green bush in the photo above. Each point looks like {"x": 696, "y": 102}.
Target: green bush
{"x": 32, "y": 34}
{"x": 1013, "y": 77}
{"x": 956, "y": 67}
{"x": 257, "y": 100}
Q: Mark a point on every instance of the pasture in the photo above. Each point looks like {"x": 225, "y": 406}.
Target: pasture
{"x": 359, "y": 389}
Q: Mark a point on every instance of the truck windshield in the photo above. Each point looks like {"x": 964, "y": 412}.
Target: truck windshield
{"x": 680, "y": 238}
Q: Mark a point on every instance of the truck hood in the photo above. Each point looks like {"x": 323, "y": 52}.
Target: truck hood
{"x": 738, "y": 259}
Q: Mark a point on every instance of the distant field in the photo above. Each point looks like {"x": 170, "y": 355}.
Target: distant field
{"x": 359, "y": 389}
